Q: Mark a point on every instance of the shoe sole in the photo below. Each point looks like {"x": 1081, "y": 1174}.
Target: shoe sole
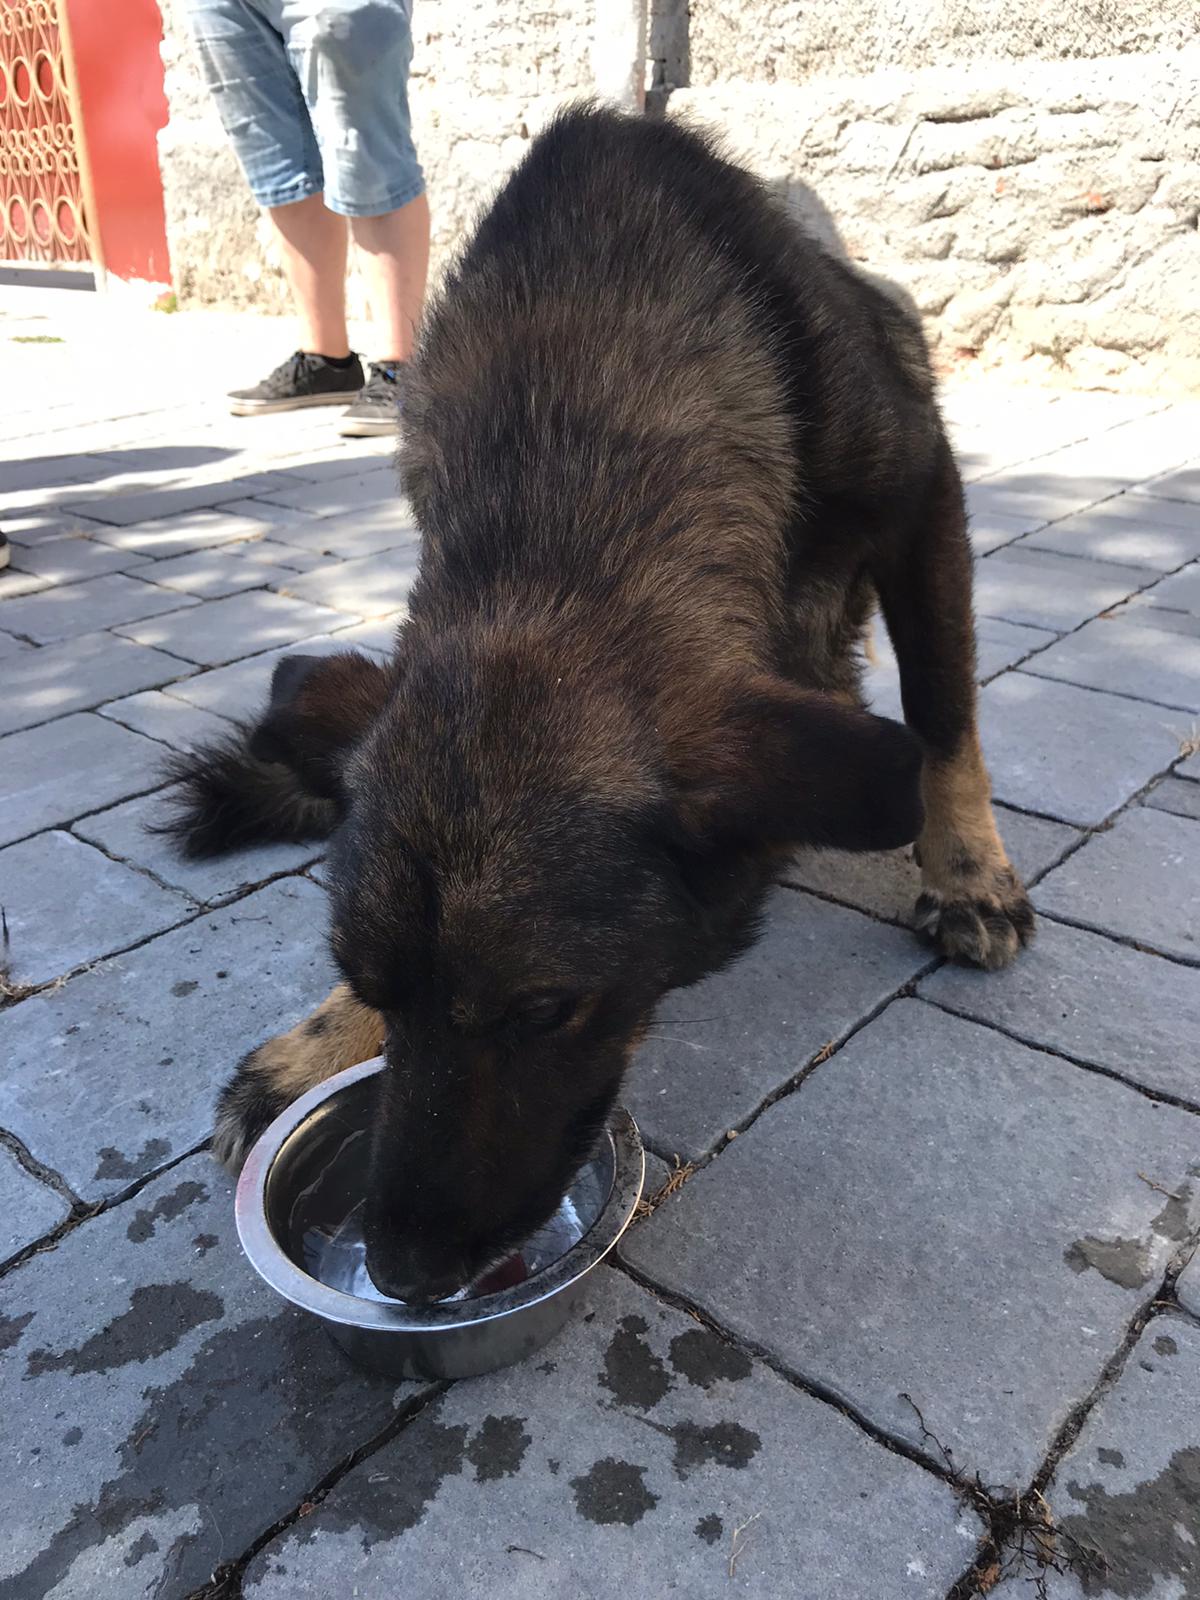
{"x": 262, "y": 408}
{"x": 364, "y": 427}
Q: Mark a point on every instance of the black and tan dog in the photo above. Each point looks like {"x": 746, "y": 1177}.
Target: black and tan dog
{"x": 666, "y": 456}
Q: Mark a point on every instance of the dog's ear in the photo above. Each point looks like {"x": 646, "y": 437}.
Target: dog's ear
{"x": 773, "y": 764}
{"x": 320, "y": 707}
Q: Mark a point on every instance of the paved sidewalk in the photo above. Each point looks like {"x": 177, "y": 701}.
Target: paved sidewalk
{"x": 924, "y": 1286}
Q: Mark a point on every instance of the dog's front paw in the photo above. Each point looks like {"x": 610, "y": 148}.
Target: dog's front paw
{"x": 245, "y": 1108}
{"x": 986, "y": 928}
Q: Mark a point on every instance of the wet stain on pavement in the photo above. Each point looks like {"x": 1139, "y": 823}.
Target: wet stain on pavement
{"x": 1129, "y": 1263}
{"x": 499, "y": 1447}
{"x": 159, "y": 1316}
{"x": 11, "y": 1329}
{"x": 115, "y": 1163}
{"x": 632, "y": 1371}
{"x": 710, "y": 1528}
{"x": 144, "y": 1545}
{"x": 165, "y": 1209}
{"x": 721, "y": 1444}
{"x": 381, "y": 1504}
{"x": 704, "y": 1359}
{"x": 258, "y": 1403}
{"x": 613, "y": 1491}
{"x": 1144, "y": 1537}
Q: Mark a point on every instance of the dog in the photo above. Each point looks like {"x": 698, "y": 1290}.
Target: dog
{"x": 667, "y": 457}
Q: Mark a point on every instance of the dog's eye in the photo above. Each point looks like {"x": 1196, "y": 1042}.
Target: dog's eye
{"x": 543, "y": 1012}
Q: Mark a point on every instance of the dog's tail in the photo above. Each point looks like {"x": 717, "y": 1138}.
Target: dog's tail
{"x": 227, "y": 798}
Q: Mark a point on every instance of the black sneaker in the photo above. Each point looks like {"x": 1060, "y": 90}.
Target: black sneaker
{"x": 377, "y": 409}
{"x": 301, "y": 380}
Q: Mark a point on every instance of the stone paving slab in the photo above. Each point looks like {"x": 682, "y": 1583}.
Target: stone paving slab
{"x": 124, "y": 832}
{"x": 166, "y": 1408}
{"x": 73, "y": 608}
{"x": 951, "y": 1216}
{"x": 28, "y": 1208}
{"x": 1125, "y": 1492}
{"x": 336, "y": 496}
{"x": 116, "y": 1072}
{"x": 1029, "y": 490}
{"x": 11, "y": 646}
{"x": 1176, "y": 795}
{"x": 992, "y": 529}
{"x": 1125, "y": 657}
{"x": 1130, "y": 530}
{"x": 1187, "y": 1285}
{"x": 199, "y": 530}
{"x": 719, "y": 1049}
{"x": 1179, "y": 592}
{"x": 289, "y": 556}
{"x": 76, "y": 676}
{"x": 69, "y": 560}
{"x": 384, "y": 526}
{"x": 240, "y": 625}
{"x": 66, "y": 904}
{"x": 1182, "y": 484}
{"x": 998, "y": 646}
{"x": 14, "y": 585}
{"x": 1122, "y": 1009}
{"x": 887, "y": 883}
{"x": 161, "y": 716}
{"x": 79, "y": 763}
{"x": 1189, "y": 767}
{"x": 1043, "y": 590}
{"x": 622, "y": 1465}
{"x": 1139, "y": 880}
{"x": 212, "y": 575}
{"x": 373, "y": 586}
{"x": 121, "y": 509}
{"x": 1071, "y": 753}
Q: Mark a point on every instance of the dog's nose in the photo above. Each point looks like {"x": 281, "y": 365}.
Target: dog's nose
{"x": 411, "y": 1286}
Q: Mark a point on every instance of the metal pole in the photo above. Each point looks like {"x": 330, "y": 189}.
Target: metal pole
{"x": 619, "y": 52}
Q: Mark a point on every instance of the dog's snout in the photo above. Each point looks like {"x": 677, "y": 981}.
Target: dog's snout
{"x": 408, "y": 1274}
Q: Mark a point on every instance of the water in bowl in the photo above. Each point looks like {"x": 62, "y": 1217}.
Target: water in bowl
{"x": 326, "y": 1223}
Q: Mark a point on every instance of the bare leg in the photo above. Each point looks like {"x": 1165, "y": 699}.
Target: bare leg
{"x": 340, "y": 1033}
{"x": 394, "y": 252}
{"x": 314, "y": 241}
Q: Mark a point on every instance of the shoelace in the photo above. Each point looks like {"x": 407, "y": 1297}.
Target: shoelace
{"x": 382, "y": 378}
{"x": 291, "y": 370}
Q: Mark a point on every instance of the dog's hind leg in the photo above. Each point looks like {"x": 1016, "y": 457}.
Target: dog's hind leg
{"x": 972, "y": 903}
{"x": 338, "y": 1034}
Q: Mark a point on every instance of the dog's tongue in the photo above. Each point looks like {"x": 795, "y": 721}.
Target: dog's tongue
{"x": 505, "y": 1276}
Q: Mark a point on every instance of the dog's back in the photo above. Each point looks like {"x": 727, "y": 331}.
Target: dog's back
{"x": 644, "y": 381}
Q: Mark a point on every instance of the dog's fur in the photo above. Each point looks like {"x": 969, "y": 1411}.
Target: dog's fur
{"x": 666, "y": 455}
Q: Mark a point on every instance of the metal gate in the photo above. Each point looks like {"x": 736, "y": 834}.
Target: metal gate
{"x": 43, "y": 215}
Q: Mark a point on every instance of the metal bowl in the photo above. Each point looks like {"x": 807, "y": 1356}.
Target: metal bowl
{"x": 300, "y": 1191}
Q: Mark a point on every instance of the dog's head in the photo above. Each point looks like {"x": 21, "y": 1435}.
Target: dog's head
{"x": 526, "y": 863}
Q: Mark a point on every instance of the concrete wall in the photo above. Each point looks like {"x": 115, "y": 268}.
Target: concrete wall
{"x": 1030, "y": 176}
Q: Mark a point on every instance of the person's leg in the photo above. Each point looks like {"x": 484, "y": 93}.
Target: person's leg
{"x": 257, "y": 95}
{"x": 351, "y": 58}
{"x": 313, "y": 242}
{"x": 393, "y": 250}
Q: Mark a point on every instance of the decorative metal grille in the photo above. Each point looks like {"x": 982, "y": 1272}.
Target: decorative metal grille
{"x": 41, "y": 198}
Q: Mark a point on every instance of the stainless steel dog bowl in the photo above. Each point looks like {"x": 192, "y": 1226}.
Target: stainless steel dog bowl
{"x": 299, "y": 1194}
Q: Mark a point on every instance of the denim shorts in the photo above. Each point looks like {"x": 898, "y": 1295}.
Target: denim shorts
{"x": 314, "y": 97}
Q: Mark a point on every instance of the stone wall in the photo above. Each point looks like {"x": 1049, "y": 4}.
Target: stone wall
{"x": 1029, "y": 177}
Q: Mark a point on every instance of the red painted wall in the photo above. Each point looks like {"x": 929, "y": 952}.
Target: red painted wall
{"x": 119, "y": 88}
